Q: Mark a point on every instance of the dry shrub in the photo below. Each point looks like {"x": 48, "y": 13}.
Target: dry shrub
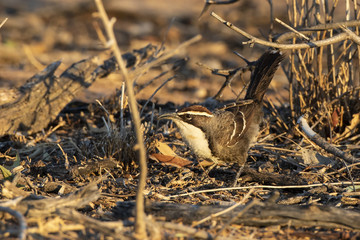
{"x": 324, "y": 81}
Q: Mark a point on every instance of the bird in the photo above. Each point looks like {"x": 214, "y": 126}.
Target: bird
{"x": 226, "y": 133}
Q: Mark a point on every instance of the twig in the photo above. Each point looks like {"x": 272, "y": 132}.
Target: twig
{"x": 320, "y": 27}
{"x": 143, "y": 86}
{"x": 122, "y": 121}
{"x": 165, "y": 56}
{"x": 323, "y": 144}
{"x": 227, "y": 82}
{"x": 338, "y": 38}
{"x": 151, "y": 97}
{"x": 224, "y": 211}
{"x": 245, "y": 209}
{"x": 219, "y": 2}
{"x": 193, "y": 233}
{"x": 292, "y": 29}
{"x": 349, "y": 173}
{"x": 263, "y": 186}
{"x": 344, "y": 168}
{"x": 32, "y": 59}
{"x": 105, "y": 227}
{"x": 229, "y": 74}
{"x": 3, "y": 22}
{"x": 65, "y": 156}
{"x": 20, "y": 218}
{"x": 140, "y": 226}
{"x": 355, "y": 38}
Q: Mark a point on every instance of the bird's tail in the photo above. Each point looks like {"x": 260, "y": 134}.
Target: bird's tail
{"x": 264, "y": 71}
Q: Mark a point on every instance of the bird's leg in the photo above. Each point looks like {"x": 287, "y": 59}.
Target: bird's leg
{"x": 208, "y": 171}
{"x": 238, "y": 173}
{"x": 211, "y": 167}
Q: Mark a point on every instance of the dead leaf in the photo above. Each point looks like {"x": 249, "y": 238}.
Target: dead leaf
{"x": 205, "y": 163}
{"x": 170, "y": 160}
{"x": 164, "y": 149}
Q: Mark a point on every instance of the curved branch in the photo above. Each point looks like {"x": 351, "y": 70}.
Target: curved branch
{"x": 20, "y": 219}
{"x": 323, "y": 144}
{"x": 338, "y": 38}
{"x": 321, "y": 27}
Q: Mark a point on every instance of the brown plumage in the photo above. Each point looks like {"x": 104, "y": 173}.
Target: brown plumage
{"x": 227, "y": 133}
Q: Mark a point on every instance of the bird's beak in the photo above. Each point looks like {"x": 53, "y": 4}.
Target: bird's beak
{"x": 169, "y": 116}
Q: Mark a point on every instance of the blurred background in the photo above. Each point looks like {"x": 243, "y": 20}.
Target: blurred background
{"x": 39, "y": 32}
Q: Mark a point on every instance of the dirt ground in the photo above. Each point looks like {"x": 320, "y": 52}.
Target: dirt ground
{"x": 78, "y": 149}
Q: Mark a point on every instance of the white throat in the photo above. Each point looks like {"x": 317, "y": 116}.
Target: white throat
{"x": 196, "y": 140}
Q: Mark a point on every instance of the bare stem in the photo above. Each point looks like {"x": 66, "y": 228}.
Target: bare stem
{"x": 323, "y": 144}
{"x": 140, "y": 227}
{"x": 3, "y": 22}
{"x": 337, "y": 38}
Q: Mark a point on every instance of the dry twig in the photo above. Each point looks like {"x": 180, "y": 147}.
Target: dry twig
{"x": 224, "y": 211}
{"x": 3, "y": 22}
{"x": 264, "y": 186}
{"x": 20, "y": 219}
{"x": 335, "y": 39}
{"x": 140, "y": 227}
{"x": 323, "y": 144}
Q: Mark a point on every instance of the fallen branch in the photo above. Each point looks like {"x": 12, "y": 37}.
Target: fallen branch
{"x": 48, "y": 206}
{"x": 260, "y": 214}
{"x": 313, "y": 136}
{"x": 114, "y": 228}
{"x": 45, "y": 95}
{"x": 39, "y": 101}
{"x": 189, "y": 232}
{"x": 263, "y": 187}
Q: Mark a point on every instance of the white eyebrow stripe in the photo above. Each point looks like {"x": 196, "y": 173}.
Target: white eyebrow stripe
{"x": 196, "y": 113}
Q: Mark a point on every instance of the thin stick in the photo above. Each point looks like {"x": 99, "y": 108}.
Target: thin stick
{"x": 122, "y": 121}
{"x": 351, "y": 34}
{"x": 140, "y": 226}
{"x": 3, "y": 22}
{"x": 338, "y": 38}
{"x": 20, "y": 218}
{"x": 166, "y": 55}
{"x": 244, "y": 210}
{"x": 152, "y": 95}
{"x": 65, "y": 156}
{"x": 264, "y": 186}
{"x": 320, "y": 27}
{"x": 292, "y": 29}
{"x": 32, "y": 59}
{"x": 224, "y": 211}
{"x": 313, "y": 136}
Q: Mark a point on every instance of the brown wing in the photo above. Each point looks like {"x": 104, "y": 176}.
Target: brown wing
{"x": 234, "y": 107}
{"x": 238, "y": 129}
{"x": 244, "y": 115}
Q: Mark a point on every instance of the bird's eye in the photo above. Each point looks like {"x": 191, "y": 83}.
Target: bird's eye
{"x": 187, "y": 117}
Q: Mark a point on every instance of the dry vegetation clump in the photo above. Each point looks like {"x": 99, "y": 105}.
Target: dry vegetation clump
{"x": 324, "y": 81}
{"x": 79, "y": 177}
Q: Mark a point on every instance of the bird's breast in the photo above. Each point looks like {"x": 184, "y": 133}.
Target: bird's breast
{"x": 196, "y": 139}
